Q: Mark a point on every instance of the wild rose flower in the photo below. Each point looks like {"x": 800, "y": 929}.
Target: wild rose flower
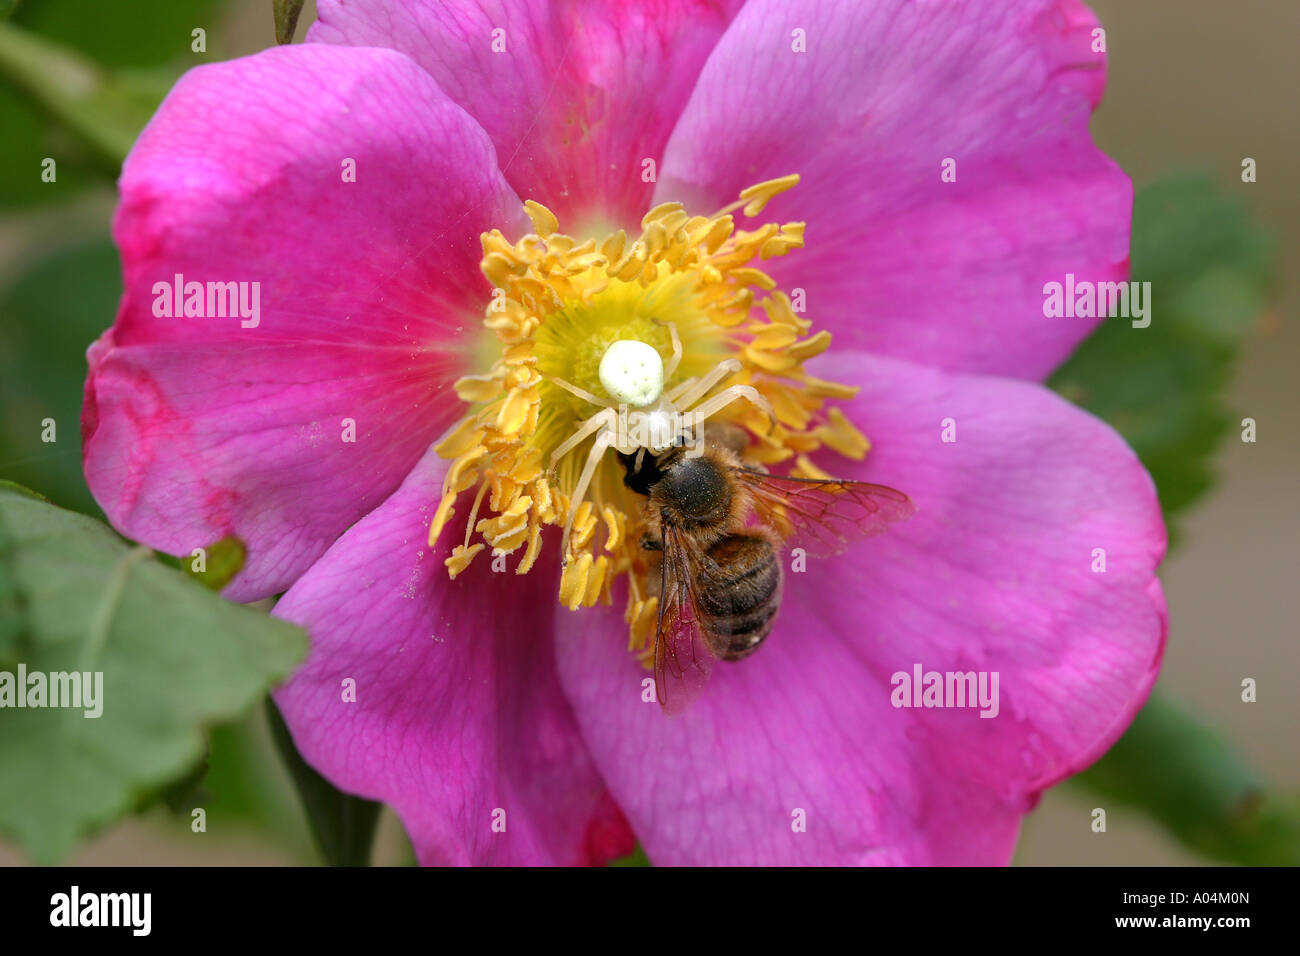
{"x": 397, "y": 383}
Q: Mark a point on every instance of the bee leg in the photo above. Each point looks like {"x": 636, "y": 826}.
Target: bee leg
{"x": 649, "y": 543}
{"x": 598, "y": 449}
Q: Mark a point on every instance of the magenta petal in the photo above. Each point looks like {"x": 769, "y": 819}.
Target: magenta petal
{"x": 198, "y": 428}
{"x": 898, "y": 262}
{"x": 457, "y": 711}
{"x": 576, "y": 96}
{"x": 993, "y": 573}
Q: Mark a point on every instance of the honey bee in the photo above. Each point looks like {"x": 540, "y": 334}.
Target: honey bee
{"x": 718, "y": 527}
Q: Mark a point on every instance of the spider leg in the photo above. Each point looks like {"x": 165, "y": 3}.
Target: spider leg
{"x": 728, "y": 395}
{"x": 679, "y": 389}
{"x": 604, "y": 417}
{"x": 582, "y": 393}
{"x": 701, "y": 388}
{"x": 671, "y": 369}
{"x": 598, "y": 449}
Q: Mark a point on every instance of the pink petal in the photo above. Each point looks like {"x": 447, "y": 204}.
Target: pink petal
{"x": 993, "y": 573}
{"x": 458, "y": 712}
{"x": 198, "y": 428}
{"x": 581, "y": 96}
{"x": 898, "y": 262}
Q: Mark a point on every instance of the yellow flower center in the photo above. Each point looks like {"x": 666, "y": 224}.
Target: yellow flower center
{"x": 688, "y": 288}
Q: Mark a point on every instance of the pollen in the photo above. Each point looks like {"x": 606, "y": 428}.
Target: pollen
{"x": 579, "y": 326}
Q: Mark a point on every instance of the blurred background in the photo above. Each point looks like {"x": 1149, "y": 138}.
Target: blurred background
{"x": 1195, "y": 87}
{"x": 1202, "y": 84}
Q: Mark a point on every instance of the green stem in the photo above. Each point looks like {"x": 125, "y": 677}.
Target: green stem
{"x": 343, "y": 825}
{"x": 1184, "y": 776}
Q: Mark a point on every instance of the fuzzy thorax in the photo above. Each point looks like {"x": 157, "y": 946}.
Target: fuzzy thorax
{"x": 558, "y": 309}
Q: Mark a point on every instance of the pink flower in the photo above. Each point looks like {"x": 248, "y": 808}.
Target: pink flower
{"x": 478, "y": 700}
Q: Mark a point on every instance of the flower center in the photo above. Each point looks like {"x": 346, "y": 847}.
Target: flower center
{"x": 622, "y": 346}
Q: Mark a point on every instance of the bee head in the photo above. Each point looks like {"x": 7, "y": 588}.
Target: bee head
{"x": 641, "y": 471}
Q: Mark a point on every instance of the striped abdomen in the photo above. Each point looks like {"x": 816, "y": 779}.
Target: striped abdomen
{"x": 739, "y": 591}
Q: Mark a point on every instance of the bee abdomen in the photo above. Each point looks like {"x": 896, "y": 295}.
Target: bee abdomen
{"x": 744, "y": 632}
{"x": 742, "y": 595}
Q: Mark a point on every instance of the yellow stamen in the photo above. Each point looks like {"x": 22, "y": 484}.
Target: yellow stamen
{"x": 573, "y": 581}
{"x": 558, "y": 305}
{"x": 840, "y": 434}
{"x": 757, "y": 196}
{"x": 544, "y": 220}
{"x": 614, "y": 528}
{"x": 460, "y": 558}
{"x": 804, "y": 468}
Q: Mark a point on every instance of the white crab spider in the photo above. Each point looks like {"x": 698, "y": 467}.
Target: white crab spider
{"x": 639, "y": 414}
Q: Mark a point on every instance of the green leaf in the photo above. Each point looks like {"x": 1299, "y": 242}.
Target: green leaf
{"x": 173, "y": 658}
{"x": 102, "y": 108}
{"x": 12, "y": 600}
{"x": 123, "y": 33}
{"x": 46, "y": 323}
{"x": 343, "y": 825}
{"x": 286, "y": 18}
{"x": 248, "y": 786}
{"x": 221, "y": 564}
{"x": 636, "y": 858}
{"x": 1183, "y": 775}
{"x": 242, "y": 787}
{"x": 182, "y": 794}
{"x": 1209, "y": 266}
{"x": 132, "y": 51}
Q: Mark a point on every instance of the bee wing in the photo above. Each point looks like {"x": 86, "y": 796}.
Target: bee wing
{"x": 823, "y": 516}
{"x": 683, "y": 660}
